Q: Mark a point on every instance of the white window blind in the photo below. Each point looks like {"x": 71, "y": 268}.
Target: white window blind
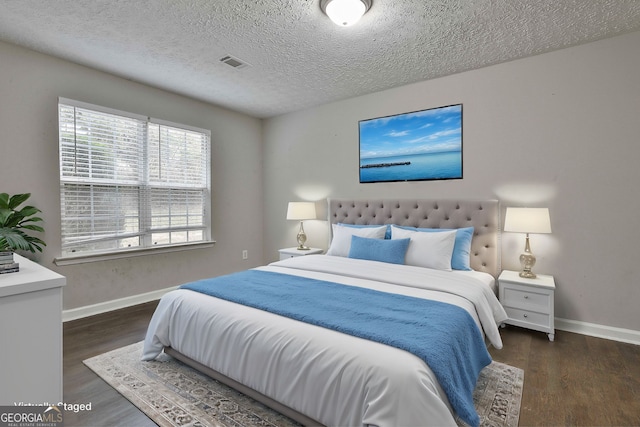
{"x": 129, "y": 182}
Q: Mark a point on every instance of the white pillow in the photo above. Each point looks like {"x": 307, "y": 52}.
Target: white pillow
{"x": 431, "y": 250}
{"x": 341, "y": 242}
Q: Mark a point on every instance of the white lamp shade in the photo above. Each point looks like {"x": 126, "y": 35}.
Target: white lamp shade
{"x": 527, "y": 220}
{"x": 301, "y": 210}
{"x": 345, "y": 12}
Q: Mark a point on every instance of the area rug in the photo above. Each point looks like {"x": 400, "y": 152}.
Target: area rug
{"x": 173, "y": 394}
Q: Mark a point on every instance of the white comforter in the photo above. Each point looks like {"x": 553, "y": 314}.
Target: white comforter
{"x": 331, "y": 377}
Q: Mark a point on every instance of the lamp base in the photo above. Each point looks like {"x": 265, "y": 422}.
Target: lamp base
{"x": 302, "y": 238}
{"x": 528, "y": 275}
{"x": 527, "y": 261}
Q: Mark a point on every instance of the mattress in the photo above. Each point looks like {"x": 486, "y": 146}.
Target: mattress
{"x": 331, "y": 377}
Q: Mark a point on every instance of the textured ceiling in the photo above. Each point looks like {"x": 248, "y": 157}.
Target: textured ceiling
{"x": 298, "y": 57}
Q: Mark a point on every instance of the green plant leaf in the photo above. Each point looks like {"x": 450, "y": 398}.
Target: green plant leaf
{"x": 24, "y": 221}
{"x": 12, "y": 220}
{"x": 15, "y": 239}
{"x": 34, "y": 243}
{"x": 18, "y": 199}
{"x": 4, "y": 216}
{"x": 4, "y": 246}
{"x": 34, "y": 228}
{"x": 4, "y": 201}
{"x": 28, "y": 211}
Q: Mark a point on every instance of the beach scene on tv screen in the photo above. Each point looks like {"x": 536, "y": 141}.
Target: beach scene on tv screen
{"x": 422, "y": 145}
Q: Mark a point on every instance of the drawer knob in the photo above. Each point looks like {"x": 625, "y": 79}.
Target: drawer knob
{"x": 526, "y": 297}
{"x": 525, "y": 316}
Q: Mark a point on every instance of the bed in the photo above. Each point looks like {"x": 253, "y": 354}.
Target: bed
{"x": 326, "y": 373}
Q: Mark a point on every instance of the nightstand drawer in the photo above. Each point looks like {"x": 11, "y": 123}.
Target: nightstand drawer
{"x": 522, "y": 317}
{"x": 520, "y": 298}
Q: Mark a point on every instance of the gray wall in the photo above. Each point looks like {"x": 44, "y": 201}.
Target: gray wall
{"x": 558, "y": 130}
{"x": 30, "y": 84}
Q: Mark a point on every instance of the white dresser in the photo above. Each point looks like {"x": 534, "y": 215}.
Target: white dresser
{"x": 529, "y": 303}
{"x": 31, "y": 335}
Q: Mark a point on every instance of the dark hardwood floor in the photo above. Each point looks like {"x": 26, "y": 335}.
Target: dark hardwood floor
{"x": 575, "y": 381}
{"x": 91, "y": 336}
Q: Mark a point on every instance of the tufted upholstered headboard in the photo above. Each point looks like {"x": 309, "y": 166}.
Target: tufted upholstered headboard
{"x": 483, "y": 215}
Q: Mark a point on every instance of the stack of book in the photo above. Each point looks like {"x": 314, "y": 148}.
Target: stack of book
{"x": 7, "y": 265}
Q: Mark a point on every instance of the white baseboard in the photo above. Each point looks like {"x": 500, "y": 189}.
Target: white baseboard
{"x": 600, "y": 331}
{"x": 103, "y": 307}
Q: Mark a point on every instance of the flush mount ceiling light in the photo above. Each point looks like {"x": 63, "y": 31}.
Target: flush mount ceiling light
{"x": 345, "y": 12}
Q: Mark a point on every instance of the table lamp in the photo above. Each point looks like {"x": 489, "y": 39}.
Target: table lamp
{"x": 300, "y": 211}
{"x": 527, "y": 220}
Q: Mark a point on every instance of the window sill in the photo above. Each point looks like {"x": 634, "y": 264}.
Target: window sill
{"x": 82, "y": 259}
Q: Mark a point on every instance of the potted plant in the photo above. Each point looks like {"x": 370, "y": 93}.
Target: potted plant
{"x": 14, "y": 223}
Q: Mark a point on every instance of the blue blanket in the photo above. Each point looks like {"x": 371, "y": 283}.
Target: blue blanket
{"x": 443, "y": 335}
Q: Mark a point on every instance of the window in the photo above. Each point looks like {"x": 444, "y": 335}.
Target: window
{"x": 130, "y": 182}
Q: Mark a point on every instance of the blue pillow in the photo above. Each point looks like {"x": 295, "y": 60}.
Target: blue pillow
{"x": 391, "y": 251}
{"x": 387, "y": 234}
{"x": 461, "y": 248}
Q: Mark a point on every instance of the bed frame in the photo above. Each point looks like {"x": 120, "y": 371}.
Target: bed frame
{"x": 255, "y": 395}
{"x": 483, "y": 215}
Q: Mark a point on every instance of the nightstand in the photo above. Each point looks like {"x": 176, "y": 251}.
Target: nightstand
{"x": 528, "y": 302}
{"x": 294, "y": 252}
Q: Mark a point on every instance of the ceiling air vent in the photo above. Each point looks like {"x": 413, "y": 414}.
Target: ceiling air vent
{"x": 233, "y": 61}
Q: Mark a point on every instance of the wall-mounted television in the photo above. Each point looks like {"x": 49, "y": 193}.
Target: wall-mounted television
{"x": 417, "y": 146}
